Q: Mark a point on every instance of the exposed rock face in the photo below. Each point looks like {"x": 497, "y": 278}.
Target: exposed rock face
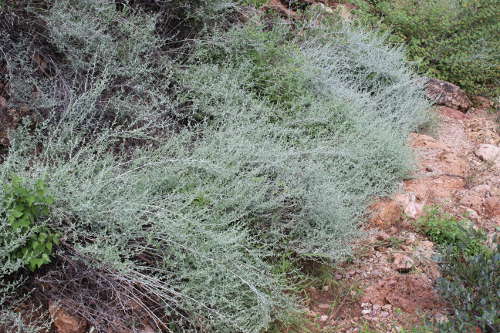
{"x": 447, "y": 94}
{"x": 452, "y": 113}
{"x": 65, "y": 322}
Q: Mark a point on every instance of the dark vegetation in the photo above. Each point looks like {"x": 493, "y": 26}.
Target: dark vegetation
{"x": 453, "y": 40}
{"x": 470, "y": 281}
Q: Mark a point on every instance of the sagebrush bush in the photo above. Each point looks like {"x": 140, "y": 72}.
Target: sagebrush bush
{"x": 177, "y": 186}
{"x": 454, "y": 40}
{"x": 323, "y": 122}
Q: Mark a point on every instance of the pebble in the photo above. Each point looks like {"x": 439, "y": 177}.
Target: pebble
{"x": 387, "y": 307}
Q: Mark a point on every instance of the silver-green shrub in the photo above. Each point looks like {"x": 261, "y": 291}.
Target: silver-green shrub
{"x": 177, "y": 186}
{"x": 339, "y": 137}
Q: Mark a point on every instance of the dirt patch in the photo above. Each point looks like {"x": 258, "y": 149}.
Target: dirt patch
{"x": 410, "y": 293}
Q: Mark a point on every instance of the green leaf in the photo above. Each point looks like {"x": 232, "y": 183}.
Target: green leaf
{"x": 16, "y": 212}
{"x": 30, "y": 200}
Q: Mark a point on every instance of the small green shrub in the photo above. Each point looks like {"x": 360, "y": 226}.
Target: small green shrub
{"x": 470, "y": 277}
{"x": 25, "y": 209}
{"x": 454, "y": 40}
{"x": 446, "y": 231}
{"x": 471, "y": 286}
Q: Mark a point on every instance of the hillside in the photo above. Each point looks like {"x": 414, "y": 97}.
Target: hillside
{"x": 246, "y": 166}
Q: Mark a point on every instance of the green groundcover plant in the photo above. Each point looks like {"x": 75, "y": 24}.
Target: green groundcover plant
{"x": 470, "y": 284}
{"x": 24, "y": 207}
{"x": 457, "y": 236}
{"x": 178, "y": 180}
{"x": 469, "y": 269}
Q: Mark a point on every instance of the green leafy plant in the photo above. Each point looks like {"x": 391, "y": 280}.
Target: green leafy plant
{"x": 25, "y": 208}
{"x": 453, "y": 40}
{"x": 470, "y": 285}
{"x": 447, "y": 231}
{"x": 469, "y": 273}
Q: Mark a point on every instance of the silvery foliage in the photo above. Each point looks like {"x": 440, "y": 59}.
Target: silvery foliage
{"x": 340, "y": 142}
{"x": 216, "y": 200}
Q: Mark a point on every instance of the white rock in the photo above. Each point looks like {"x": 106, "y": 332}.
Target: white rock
{"x": 411, "y": 206}
{"x": 489, "y": 153}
